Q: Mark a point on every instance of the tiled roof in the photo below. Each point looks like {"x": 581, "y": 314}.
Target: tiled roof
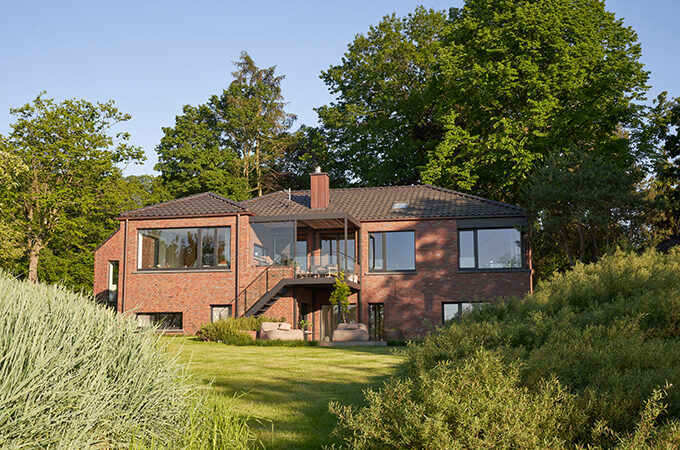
{"x": 204, "y": 204}
{"x": 377, "y": 203}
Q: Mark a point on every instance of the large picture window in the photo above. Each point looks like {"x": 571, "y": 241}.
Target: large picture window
{"x": 499, "y": 248}
{"x": 272, "y": 243}
{"x": 391, "y": 251}
{"x": 185, "y": 248}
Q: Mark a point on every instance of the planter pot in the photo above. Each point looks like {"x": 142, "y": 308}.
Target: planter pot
{"x": 252, "y": 334}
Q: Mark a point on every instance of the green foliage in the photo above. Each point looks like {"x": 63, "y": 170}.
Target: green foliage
{"x": 340, "y": 296}
{"x": 228, "y": 330}
{"x": 478, "y": 403}
{"x": 75, "y": 375}
{"x": 582, "y": 198}
{"x": 383, "y": 122}
{"x": 69, "y": 155}
{"x": 663, "y": 133}
{"x": 599, "y": 344}
{"x": 522, "y": 80}
{"x": 192, "y": 157}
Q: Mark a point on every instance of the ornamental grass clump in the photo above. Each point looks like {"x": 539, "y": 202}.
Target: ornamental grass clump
{"x": 76, "y": 375}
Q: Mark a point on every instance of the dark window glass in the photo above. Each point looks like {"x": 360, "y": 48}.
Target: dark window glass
{"x": 164, "y": 321}
{"x": 393, "y": 250}
{"x": 375, "y": 321}
{"x": 467, "y": 249}
{"x": 184, "y": 248}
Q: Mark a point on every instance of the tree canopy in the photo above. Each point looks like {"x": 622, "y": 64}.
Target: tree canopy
{"x": 70, "y": 154}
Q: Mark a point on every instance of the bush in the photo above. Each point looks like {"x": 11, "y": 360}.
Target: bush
{"x": 607, "y": 334}
{"x": 230, "y": 331}
{"x": 76, "y": 375}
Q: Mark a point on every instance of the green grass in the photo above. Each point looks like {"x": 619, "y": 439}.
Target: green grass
{"x": 289, "y": 388}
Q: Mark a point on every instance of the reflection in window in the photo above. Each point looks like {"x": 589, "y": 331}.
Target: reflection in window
{"x": 272, "y": 243}
{"x": 392, "y": 251}
{"x": 457, "y": 310}
{"x": 499, "y": 248}
{"x": 222, "y": 312}
{"x": 184, "y": 248}
{"x": 164, "y": 321}
{"x": 301, "y": 254}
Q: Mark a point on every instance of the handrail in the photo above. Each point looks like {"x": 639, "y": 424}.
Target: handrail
{"x": 265, "y": 273}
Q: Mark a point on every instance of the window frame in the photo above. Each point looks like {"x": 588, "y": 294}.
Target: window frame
{"x": 385, "y": 270}
{"x": 164, "y": 330}
{"x": 199, "y": 250}
{"x": 460, "y": 308}
{"x": 229, "y": 306}
{"x": 475, "y": 242}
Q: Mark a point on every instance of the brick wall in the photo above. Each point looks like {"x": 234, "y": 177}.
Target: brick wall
{"x": 409, "y": 298}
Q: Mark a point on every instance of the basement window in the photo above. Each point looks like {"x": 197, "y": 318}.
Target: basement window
{"x": 164, "y": 321}
{"x": 400, "y": 205}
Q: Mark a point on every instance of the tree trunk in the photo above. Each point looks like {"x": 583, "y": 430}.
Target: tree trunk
{"x": 582, "y": 243}
{"x": 33, "y": 255}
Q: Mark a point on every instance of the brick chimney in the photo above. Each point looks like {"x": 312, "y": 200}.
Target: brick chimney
{"x": 320, "y": 189}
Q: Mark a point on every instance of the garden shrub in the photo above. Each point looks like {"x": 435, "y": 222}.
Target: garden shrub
{"x": 76, "y": 375}
{"x": 230, "y": 331}
{"x": 607, "y": 335}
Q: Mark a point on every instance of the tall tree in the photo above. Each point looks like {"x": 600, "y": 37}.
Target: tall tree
{"x": 383, "y": 123}
{"x": 70, "y": 156}
{"x": 662, "y": 133}
{"x": 193, "y": 157}
{"x": 523, "y": 79}
{"x": 585, "y": 199}
{"x": 252, "y": 118}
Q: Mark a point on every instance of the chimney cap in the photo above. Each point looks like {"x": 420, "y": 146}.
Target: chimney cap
{"x": 317, "y": 169}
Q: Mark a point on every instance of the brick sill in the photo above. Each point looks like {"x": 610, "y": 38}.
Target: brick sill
{"x": 211, "y": 269}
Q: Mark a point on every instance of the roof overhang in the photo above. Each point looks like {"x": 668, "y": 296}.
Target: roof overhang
{"x": 317, "y": 221}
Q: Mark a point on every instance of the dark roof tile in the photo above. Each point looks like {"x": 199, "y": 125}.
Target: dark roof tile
{"x": 377, "y": 202}
{"x": 204, "y": 204}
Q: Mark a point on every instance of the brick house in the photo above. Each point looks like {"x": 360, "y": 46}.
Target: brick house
{"x": 410, "y": 254}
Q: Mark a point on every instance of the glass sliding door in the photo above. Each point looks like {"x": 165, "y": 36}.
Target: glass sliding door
{"x": 331, "y": 317}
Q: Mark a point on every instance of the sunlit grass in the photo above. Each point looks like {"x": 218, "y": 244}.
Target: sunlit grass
{"x": 288, "y": 389}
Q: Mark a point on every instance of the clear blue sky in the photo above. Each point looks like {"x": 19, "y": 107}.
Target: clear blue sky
{"x": 154, "y": 57}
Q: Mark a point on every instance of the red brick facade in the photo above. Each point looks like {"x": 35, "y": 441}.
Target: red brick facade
{"x": 410, "y": 299}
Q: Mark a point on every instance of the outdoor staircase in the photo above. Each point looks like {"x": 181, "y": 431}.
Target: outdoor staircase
{"x": 268, "y": 299}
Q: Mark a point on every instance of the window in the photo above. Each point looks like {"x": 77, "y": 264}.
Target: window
{"x": 400, "y": 205}
{"x": 301, "y": 254}
{"x": 452, "y": 311}
{"x": 220, "y": 312}
{"x": 184, "y": 248}
{"x": 499, "y": 248}
{"x": 376, "y": 315}
{"x": 164, "y": 321}
{"x": 273, "y": 243}
{"x": 113, "y": 282}
{"x": 391, "y": 251}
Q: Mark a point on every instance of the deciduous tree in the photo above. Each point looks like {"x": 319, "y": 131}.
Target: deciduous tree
{"x": 70, "y": 152}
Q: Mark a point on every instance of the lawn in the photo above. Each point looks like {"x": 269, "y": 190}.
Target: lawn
{"x": 288, "y": 387}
